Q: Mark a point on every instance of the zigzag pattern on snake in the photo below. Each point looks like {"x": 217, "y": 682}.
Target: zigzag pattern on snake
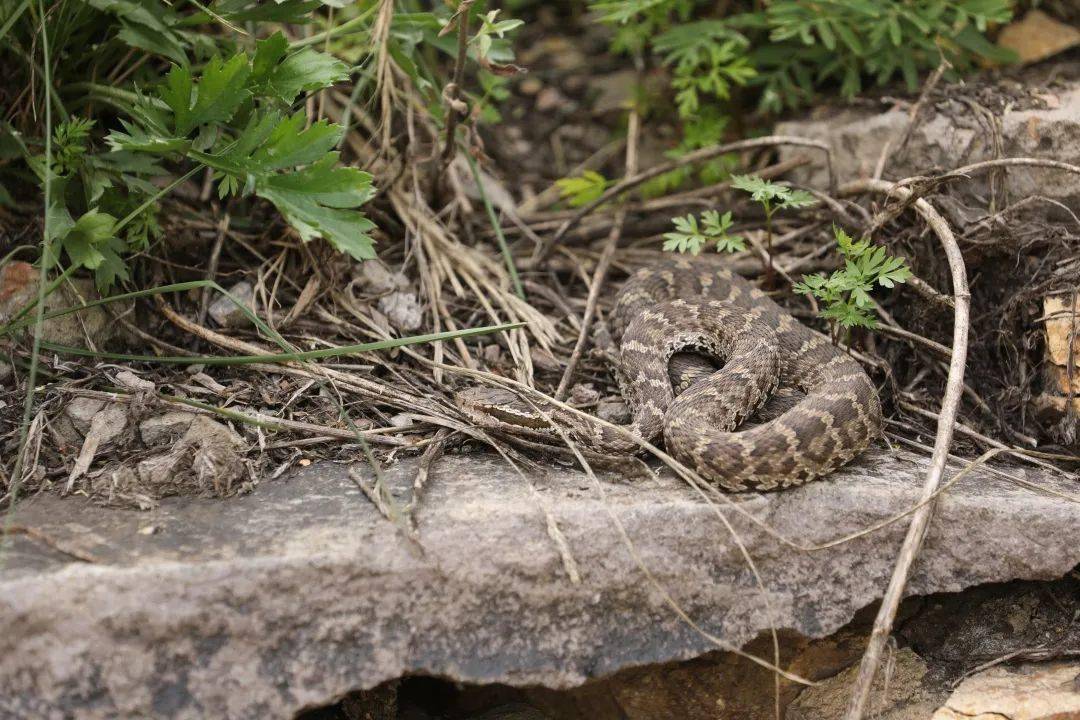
{"x": 665, "y": 319}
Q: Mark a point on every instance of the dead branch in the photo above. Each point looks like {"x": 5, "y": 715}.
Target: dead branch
{"x": 600, "y": 273}
{"x": 950, "y": 404}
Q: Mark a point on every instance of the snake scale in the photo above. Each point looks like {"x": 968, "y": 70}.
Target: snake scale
{"x": 665, "y": 319}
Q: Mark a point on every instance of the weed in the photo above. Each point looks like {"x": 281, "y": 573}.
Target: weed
{"x": 846, "y": 292}
{"x": 772, "y": 197}
{"x": 584, "y": 189}
{"x": 690, "y": 236}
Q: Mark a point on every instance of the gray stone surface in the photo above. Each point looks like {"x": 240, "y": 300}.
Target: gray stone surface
{"x": 1039, "y": 119}
{"x": 263, "y": 605}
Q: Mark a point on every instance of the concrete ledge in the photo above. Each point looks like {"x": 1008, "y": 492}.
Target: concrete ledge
{"x": 263, "y": 605}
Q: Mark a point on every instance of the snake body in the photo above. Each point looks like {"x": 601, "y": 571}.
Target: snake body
{"x": 667, "y": 317}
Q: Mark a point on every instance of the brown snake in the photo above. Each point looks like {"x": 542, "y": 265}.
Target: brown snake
{"x": 665, "y": 318}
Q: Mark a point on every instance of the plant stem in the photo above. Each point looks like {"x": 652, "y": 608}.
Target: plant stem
{"x": 343, "y": 28}
{"x": 454, "y": 89}
{"x": 769, "y": 279}
{"x": 46, "y": 257}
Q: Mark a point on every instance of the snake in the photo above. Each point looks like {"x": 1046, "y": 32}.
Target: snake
{"x": 697, "y": 351}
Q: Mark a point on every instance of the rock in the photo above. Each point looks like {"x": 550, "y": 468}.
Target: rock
{"x": 207, "y": 459}
{"x": 166, "y": 428}
{"x": 19, "y": 287}
{"x": 584, "y": 394}
{"x": 530, "y": 86}
{"x": 403, "y": 310}
{"x": 81, "y": 411}
{"x": 107, "y": 424}
{"x": 542, "y": 359}
{"x": 492, "y": 354}
{"x": 550, "y": 100}
{"x": 950, "y": 134}
{"x": 293, "y": 596}
{"x": 500, "y": 198}
{"x": 564, "y": 53}
{"x": 897, "y": 693}
{"x": 5, "y": 371}
{"x": 227, "y": 313}
{"x": 614, "y": 92}
{"x": 1038, "y": 36}
{"x": 375, "y": 278}
{"x": 1028, "y": 692}
{"x": 401, "y": 420}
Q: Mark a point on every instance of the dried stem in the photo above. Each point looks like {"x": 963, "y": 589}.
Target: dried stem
{"x": 453, "y": 90}
{"x": 602, "y": 265}
{"x": 950, "y": 404}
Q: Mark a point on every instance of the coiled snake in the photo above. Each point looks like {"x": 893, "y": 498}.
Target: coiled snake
{"x": 665, "y": 318}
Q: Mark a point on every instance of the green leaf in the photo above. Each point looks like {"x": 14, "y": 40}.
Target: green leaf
{"x": 288, "y": 145}
{"x": 796, "y": 199}
{"x": 112, "y": 266}
{"x": 582, "y": 190}
{"x": 221, "y": 90}
{"x": 137, "y": 139}
{"x": 268, "y": 53}
{"x": 153, "y": 41}
{"x": 759, "y": 189}
{"x": 306, "y": 70}
{"x": 83, "y": 239}
{"x": 319, "y": 200}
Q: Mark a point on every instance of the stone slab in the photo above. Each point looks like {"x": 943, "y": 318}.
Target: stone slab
{"x": 263, "y": 605}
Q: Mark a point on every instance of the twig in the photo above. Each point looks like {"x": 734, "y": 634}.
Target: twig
{"x": 633, "y": 181}
{"x": 899, "y": 332}
{"x": 929, "y": 292}
{"x": 950, "y": 404}
{"x": 913, "y": 115}
{"x": 346, "y": 381}
{"x": 496, "y": 226}
{"x": 976, "y": 435}
{"x": 432, "y": 453}
{"x": 600, "y": 273}
{"x": 1000, "y": 162}
{"x": 551, "y": 193}
{"x": 452, "y": 92}
{"x": 212, "y": 266}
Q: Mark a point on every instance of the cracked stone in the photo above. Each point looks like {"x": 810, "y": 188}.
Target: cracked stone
{"x": 301, "y": 592}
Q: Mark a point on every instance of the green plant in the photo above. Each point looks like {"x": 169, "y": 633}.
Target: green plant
{"x": 789, "y": 48}
{"x": 491, "y": 28}
{"x": 172, "y": 90}
{"x": 782, "y": 52}
{"x": 772, "y": 197}
{"x": 845, "y": 293}
{"x": 583, "y": 189}
{"x": 690, "y": 236}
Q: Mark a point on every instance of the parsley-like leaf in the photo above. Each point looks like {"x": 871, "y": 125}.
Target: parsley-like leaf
{"x": 320, "y": 201}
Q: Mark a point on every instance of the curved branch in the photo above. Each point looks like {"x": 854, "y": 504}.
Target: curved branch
{"x": 954, "y": 389}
